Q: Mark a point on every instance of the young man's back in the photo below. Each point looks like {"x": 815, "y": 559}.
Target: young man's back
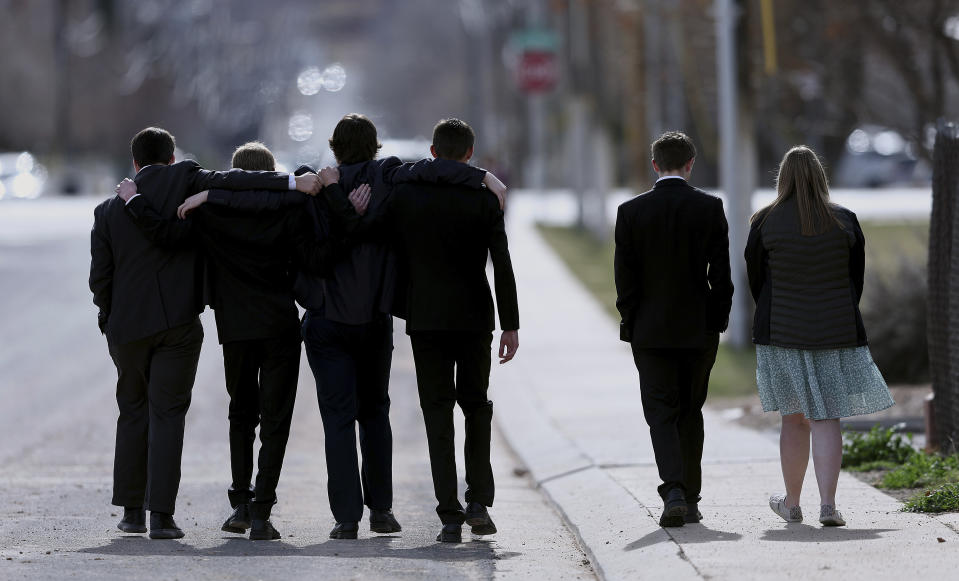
{"x": 447, "y": 232}
{"x": 674, "y": 293}
{"x": 444, "y": 234}
{"x": 672, "y": 290}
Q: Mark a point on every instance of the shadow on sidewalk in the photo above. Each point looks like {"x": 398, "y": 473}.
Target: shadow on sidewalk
{"x": 803, "y": 533}
{"x": 375, "y": 547}
{"x": 686, "y": 534}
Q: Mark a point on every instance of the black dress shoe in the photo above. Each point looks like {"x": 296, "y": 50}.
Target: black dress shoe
{"x": 674, "y": 511}
{"x": 263, "y": 530}
{"x": 344, "y": 530}
{"x": 477, "y": 517}
{"x": 451, "y": 533}
{"x": 134, "y": 520}
{"x": 692, "y": 513}
{"x": 239, "y": 521}
{"x": 383, "y": 521}
{"x": 162, "y": 526}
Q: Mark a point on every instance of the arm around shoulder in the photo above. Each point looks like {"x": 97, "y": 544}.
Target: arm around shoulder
{"x": 101, "y": 267}
{"x": 170, "y": 233}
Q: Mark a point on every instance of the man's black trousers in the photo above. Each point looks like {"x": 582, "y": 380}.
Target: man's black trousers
{"x": 154, "y": 385}
{"x": 351, "y": 365}
{"x": 261, "y": 376}
{"x": 452, "y": 367}
{"x": 673, "y": 385}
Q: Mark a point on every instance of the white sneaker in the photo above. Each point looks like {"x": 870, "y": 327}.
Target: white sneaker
{"x": 778, "y": 504}
{"x": 830, "y": 517}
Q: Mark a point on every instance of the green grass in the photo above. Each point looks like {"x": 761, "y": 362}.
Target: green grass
{"x": 734, "y": 373}
{"x": 886, "y": 242}
{"x": 923, "y": 470}
{"x": 942, "y": 499}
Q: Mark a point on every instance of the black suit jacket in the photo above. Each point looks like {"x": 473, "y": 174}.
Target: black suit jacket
{"x": 360, "y": 280}
{"x": 251, "y": 258}
{"x": 672, "y": 267}
{"x": 142, "y": 289}
{"x": 361, "y": 284}
{"x": 445, "y": 234}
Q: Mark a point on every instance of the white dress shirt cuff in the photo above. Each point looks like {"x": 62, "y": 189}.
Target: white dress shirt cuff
{"x": 131, "y": 199}
{"x": 292, "y": 182}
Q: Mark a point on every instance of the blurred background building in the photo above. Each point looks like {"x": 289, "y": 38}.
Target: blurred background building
{"x": 569, "y": 92}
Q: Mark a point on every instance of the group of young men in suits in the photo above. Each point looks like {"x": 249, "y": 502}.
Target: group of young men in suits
{"x": 410, "y": 239}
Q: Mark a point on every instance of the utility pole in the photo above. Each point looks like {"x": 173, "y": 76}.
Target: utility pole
{"x": 536, "y": 113}
{"x": 737, "y": 156}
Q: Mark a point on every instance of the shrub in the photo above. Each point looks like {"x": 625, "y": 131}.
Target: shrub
{"x": 876, "y": 445}
{"x": 942, "y": 499}
{"x": 897, "y": 336}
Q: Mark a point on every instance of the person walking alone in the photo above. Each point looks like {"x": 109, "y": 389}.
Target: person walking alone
{"x": 806, "y": 259}
{"x": 674, "y": 292}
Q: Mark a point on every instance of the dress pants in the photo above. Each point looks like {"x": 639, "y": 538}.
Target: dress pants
{"x": 673, "y": 385}
{"x": 351, "y": 365}
{"x": 261, "y": 376}
{"x": 452, "y": 367}
{"x": 154, "y": 386}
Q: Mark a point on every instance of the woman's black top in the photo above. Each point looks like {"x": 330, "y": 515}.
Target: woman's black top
{"x": 806, "y": 288}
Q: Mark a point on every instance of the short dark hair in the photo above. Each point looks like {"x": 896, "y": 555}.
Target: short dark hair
{"x": 673, "y": 150}
{"x": 254, "y": 156}
{"x": 452, "y": 138}
{"x": 152, "y": 146}
{"x": 354, "y": 139}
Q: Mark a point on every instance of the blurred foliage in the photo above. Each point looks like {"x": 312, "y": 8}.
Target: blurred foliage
{"x": 879, "y": 445}
{"x": 895, "y": 320}
{"x": 894, "y": 300}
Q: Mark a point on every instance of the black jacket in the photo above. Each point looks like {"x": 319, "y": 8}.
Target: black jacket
{"x": 140, "y": 288}
{"x": 673, "y": 282}
{"x": 250, "y": 260}
{"x": 806, "y": 288}
{"x": 361, "y": 282}
{"x": 445, "y": 234}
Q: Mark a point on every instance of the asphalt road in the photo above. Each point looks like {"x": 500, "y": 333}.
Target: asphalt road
{"x": 57, "y": 428}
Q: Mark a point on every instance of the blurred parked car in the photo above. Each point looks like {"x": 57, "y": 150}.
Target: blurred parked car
{"x": 877, "y": 156}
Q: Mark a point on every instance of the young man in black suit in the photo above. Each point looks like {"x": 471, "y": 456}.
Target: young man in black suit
{"x": 444, "y": 235}
{"x": 149, "y": 300}
{"x": 251, "y": 259}
{"x": 674, "y": 293}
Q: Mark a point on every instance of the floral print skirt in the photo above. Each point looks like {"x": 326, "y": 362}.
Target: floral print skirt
{"x": 820, "y": 383}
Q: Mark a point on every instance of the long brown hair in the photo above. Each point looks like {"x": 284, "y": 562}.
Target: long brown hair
{"x": 801, "y": 175}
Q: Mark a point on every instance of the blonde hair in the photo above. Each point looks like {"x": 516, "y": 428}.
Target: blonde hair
{"x": 801, "y": 176}
{"x": 254, "y": 156}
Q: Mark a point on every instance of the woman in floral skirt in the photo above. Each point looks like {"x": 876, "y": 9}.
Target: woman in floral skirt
{"x": 805, "y": 257}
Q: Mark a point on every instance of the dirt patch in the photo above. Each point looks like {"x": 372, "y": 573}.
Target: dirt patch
{"x": 874, "y": 477}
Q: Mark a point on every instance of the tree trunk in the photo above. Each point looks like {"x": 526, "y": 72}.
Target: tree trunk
{"x": 943, "y": 313}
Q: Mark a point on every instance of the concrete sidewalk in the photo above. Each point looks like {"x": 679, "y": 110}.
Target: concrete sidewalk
{"x": 569, "y": 406}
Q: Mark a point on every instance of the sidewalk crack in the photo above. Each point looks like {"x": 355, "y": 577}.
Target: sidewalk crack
{"x": 565, "y": 474}
{"x": 679, "y": 547}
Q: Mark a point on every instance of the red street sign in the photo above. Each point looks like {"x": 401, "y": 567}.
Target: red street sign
{"x": 537, "y": 71}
